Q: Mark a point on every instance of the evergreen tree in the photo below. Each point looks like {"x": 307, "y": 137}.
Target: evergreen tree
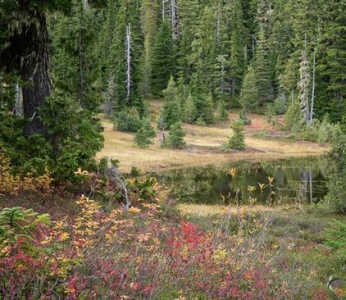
{"x": 149, "y": 12}
{"x": 190, "y": 110}
{"x": 331, "y": 84}
{"x": 237, "y": 140}
{"x": 144, "y": 135}
{"x": 171, "y": 110}
{"x": 262, "y": 71}
{"x": 58, "y": 124}
{"x": 188, "y": 14}
{"x": 163, "y": 60}
{"x": 176, "y": 136}
{"x": 249, "y": 92}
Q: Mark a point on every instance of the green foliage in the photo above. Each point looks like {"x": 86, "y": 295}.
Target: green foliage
{"x": 190, "y": 109}
{"x": 243, "y": 118}
{"x": 336, "y": 235}
{"x": 249, "y": 93}
{"x": 204, "y": 108}
{"x": 271, "y": 114}
{"x": 145, "y": 134}
{"x": 200, "y": 121}
{"x": 127, "y": 120}
{"x": 222, "y": 111}
{"x": 280, "y": 105}
{"x": 320, "y": 132}
{"x": 163, "y": 60}
{"x": 336, "y": 184}
{"x": 17, "y": 222}
{"x": 176, "y": 136}
{"x": 293, "y": 117}
{"x": 237, "y": 140}
{"x": 70, "y": 128}
{"x": 171, "y": 111}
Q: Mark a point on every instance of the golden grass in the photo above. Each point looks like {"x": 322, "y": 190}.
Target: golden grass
{"x": 203, "y": 146}
{"x": 207, "y": 210}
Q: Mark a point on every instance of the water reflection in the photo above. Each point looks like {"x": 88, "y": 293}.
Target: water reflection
{"x": 271, "y": 182}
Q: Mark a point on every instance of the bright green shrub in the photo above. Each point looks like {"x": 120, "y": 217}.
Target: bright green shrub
{"x": 127, "y": 120}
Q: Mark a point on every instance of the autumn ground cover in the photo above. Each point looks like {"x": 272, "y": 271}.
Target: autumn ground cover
{"x": 157, "y": 249}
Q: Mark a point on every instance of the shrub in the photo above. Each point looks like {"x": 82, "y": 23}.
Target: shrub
{"x": 200, "y": 121}
{"x": 139, "y": 254}
{"x": 336, "y": 184}
{"x": 127, "y": 120}
{"x": 321, "y": 132}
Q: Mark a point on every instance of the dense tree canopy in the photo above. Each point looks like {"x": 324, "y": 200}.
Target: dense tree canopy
{"x": 79, "y": 56}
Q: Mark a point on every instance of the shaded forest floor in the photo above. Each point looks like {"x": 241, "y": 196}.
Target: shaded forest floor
{"x": 204, "y": 145}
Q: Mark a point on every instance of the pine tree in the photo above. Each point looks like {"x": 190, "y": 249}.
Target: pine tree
{"x": 150, "y": 13}
{"x": 176, "y": 136}
{"x": 163, "y": 60}
{"x": 330, "y": 81}
{"x": 144, "y": 135}
{"x": 171, "y": 110}
{"x": 262, "y": 70}
{"x": 237, "y": 140}
{"x": 249, "y": 93}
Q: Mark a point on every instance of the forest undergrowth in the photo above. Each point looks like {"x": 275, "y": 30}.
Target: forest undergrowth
{"x": 154, "y": 250}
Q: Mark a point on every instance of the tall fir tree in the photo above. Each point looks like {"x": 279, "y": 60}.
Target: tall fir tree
{"x": 261, "y": 66}
{"x": 163, "y": 60}
{"x": 249, "y": 92}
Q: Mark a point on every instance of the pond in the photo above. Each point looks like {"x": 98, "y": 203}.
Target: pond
{"x": 302, "y": 180}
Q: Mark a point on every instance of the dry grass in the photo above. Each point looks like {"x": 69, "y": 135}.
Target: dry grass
{"x": 203, "y": 146}
{"x": 205, "y": 210}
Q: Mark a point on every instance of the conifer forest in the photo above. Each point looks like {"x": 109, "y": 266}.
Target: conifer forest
{"x": 160, "y": 69}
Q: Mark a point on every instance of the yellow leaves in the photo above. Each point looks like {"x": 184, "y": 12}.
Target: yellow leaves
{"x": 220, "y": 254}
{"x": 270, "y": 180}
{"x": 262, "y": 186}
{"x": 143, "y": 237}
{"x": 11, "y": 184}
{"x": 81, "y": 172}
{"x": 134, "y": 210}
{"x": 232, "y": 172}
{"x": 251, "y": 188}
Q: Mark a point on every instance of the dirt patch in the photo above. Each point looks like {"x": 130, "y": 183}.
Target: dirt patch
{"x": 204, "y": 146}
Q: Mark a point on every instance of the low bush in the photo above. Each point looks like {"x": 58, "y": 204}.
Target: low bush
{"x": 320, "y": 132}
{"x": 141, "y": 254}
{"x": 127, "y": 120}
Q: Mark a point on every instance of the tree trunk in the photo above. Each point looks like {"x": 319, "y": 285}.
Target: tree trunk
{"x": 35, "y": 74}
{"x": 30, "y": 57}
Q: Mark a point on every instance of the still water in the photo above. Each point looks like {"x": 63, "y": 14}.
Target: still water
{"x": 302, "y": 180}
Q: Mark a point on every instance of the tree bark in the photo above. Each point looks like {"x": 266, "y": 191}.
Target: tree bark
{"x": 28, "y": 56}
{"x": 35, "y": 73}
